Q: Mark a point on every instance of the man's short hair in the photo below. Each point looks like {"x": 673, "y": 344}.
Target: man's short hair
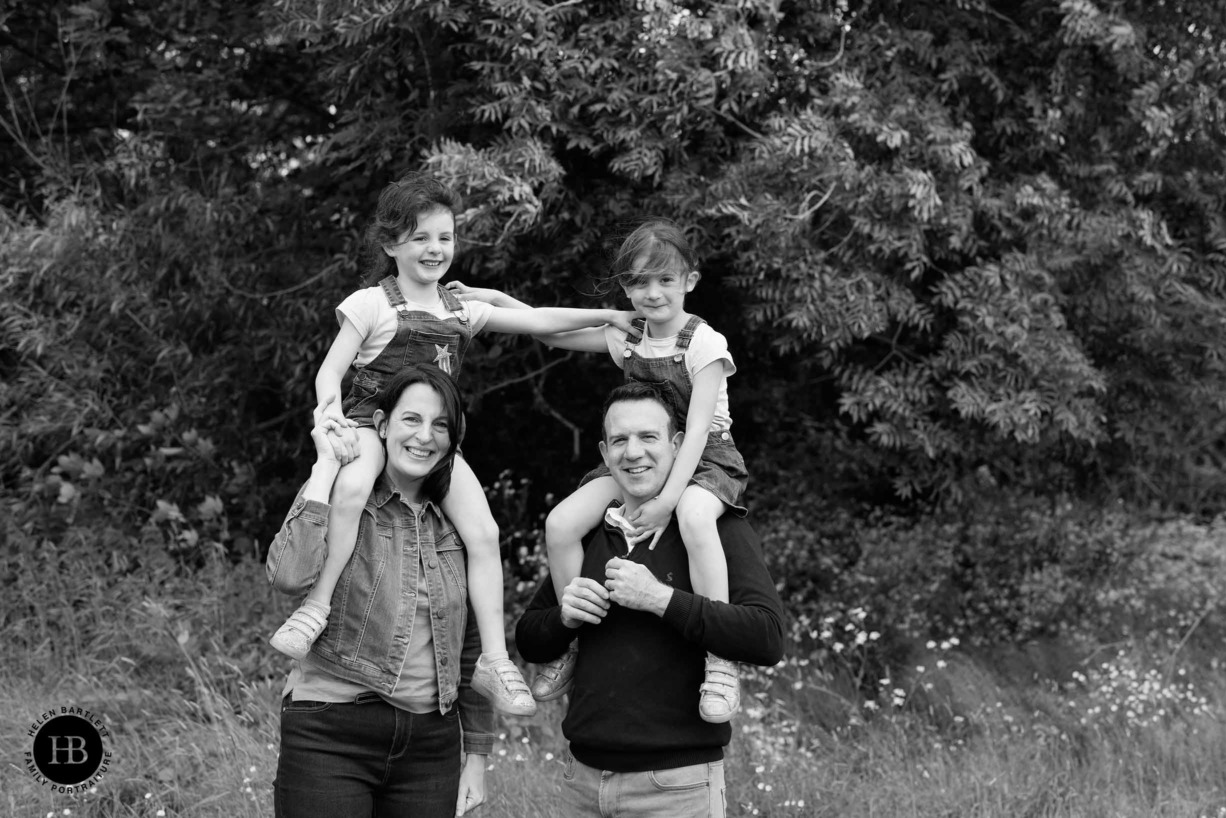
{"x": 642, "y": 390}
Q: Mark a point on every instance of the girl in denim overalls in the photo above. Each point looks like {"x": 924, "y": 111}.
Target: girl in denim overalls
{"x": 409, "y": 318}
{"x": 656, "y": 268}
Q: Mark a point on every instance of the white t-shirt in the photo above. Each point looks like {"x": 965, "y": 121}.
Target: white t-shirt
{"x": 706, "y": 346}
{"x": 375, "y": 319}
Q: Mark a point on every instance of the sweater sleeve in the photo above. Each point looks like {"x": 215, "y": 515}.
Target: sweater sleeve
{"x": 750, "y": 626}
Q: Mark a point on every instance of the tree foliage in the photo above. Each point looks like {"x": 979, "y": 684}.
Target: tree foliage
{"x": 949, "y": 240}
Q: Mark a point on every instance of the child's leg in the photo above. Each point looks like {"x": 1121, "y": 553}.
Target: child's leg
{"x": 564, "y": 529}
{"x": 569, "y": 521}
{"x": 697, "y": 514}
{"x": 469, "y": 511}
{"x": 349, "y": 494}
{"x": 496, "y": 677}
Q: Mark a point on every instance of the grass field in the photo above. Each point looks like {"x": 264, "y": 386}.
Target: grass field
{"x": 1117, "y": 741}
{"x": 174, "y": 661}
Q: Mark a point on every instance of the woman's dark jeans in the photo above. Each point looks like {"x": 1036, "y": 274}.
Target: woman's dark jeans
{"x": 366, "y": 758}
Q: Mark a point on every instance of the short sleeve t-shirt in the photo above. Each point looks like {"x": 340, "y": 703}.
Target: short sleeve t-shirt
{"x": 374, "y": 318}
{"x": 706, "y": 347}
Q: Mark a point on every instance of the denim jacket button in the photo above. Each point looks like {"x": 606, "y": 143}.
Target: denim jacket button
{"x": 433, "y": 563}
{"x": 443, "y": 661}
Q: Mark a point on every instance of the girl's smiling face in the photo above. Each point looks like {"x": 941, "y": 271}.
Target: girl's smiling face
{"x": 659, "y": 295}
{"x": 417, "y": 434}
{"x": 424, "y": 253}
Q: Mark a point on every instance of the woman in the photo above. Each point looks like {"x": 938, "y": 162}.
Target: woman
{"x": 368, "y": 725}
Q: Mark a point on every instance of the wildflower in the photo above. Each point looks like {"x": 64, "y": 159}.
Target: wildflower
{"x": 940, "y": 664}
{"x": 919, "y": 668}
{"x": 931, "y": 645}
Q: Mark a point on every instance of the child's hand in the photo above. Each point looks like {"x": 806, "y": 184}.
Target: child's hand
{"x": 466, "y": 293}
{"x": 622, "y": 319}
{"x": 344, "y": 440}
{"x": 650, "y": 520}
{"x": 330, "y": 409}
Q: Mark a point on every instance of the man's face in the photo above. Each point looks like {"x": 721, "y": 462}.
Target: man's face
{"x": 637, "y": 448}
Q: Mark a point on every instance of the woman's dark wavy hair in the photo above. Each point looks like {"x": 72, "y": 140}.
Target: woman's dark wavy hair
{"x": 401, "y": 204}
{"x": 661, "y": 241}
{"x": 438, "y": 481}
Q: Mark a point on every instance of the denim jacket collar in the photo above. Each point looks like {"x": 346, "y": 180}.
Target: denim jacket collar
{"x": 384, "y": 491}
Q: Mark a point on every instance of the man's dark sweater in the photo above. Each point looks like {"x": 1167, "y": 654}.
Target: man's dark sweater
{"x": 634, "y": 703}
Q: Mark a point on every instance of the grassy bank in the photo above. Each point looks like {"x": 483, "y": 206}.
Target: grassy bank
{"x": 885, "y": 706}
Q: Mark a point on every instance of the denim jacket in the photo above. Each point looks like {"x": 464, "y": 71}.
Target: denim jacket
{"x": 373, "y": 605}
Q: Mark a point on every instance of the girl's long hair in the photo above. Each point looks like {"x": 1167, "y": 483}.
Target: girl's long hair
{"x": 400, "y": 206}
{"x": 438, "y": 481}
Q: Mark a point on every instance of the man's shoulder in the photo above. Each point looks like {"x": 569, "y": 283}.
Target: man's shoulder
{"x": 736, "y": 529}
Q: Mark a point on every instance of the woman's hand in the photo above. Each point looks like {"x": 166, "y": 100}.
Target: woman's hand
{"x": 472, "y": 784}
{"x": 336, "y": 441}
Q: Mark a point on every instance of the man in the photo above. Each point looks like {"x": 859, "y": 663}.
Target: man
{"x": 638, "y": 746}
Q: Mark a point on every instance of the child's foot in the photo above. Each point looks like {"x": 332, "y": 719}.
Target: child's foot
{"x": 499, "y": 681}
{"x": 721, "y": 691}
{"x": 553, "y": 678}
{"x": 300, "y": 631}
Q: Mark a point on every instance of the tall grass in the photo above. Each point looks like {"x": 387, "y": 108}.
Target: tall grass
{"x": 861, "y": 719}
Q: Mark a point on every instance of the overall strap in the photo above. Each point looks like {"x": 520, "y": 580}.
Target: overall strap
{"x": 394, "y": 297}
{"x": 636, "y": 331}
{"x": 453, "y": 304}
{"x": 687, "y": 332}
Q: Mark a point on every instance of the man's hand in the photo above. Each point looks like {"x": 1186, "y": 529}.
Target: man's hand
{"x": 632, "y": 585}
{"x": 584, "y": 601}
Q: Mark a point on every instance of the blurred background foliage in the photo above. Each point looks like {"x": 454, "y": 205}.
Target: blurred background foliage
{"x": 970, "y": 256}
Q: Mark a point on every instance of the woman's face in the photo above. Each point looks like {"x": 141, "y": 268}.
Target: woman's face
{"x": 417, "y": 434}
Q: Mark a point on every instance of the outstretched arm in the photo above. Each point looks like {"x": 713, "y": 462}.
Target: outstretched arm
{"x": 548, "y": 320}
{"x": 589, "y": 339}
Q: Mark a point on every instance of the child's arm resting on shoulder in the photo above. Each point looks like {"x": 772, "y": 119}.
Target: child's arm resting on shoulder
{"x": 655, "y": 513}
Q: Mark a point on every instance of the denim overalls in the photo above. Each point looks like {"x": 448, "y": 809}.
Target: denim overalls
{"x": 420, "y": 338}
{"x": 722, "y": 469}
